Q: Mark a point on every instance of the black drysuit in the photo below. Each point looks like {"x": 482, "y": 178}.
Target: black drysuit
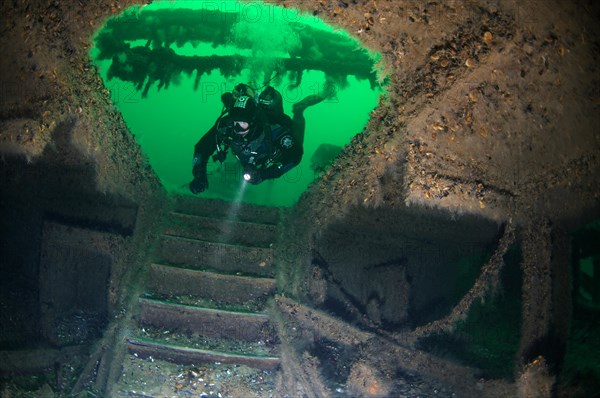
{"x": 272, "y": 147}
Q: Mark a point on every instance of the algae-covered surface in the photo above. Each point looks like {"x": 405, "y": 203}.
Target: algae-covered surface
{"x": 490, "y": 109}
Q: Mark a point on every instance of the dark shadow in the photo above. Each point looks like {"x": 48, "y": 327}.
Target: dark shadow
{"x": 402, "y": 267}
{"x": 58, "y": 188}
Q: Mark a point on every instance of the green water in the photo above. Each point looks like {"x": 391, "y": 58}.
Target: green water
{"x": 489, "y": 337}
{"x": 208, "y": 47}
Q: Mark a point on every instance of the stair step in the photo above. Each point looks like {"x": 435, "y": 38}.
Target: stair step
{"x": 186, "y": 355}
{"x": 207, "y": 322}
{"x": 222, "y": 231}
{"x": 248, "y": 307}
{"x": 262, "y": 348}
{"x": 152, "y": 377}
{"x": 222, "y": 289}
{"x": 199, "y": 254}
{"x": 221, "y": 209}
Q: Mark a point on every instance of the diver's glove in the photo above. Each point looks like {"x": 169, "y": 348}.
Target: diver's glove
{"x": 198, "y": 185}
{"x": 220, "y": 156}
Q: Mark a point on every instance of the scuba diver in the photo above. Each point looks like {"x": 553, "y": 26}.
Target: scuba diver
{"x": 266, "y": 141}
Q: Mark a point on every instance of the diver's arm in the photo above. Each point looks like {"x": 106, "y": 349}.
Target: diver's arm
{"x": 273, "y": 172}
{"x": 203, "y": 149}
{"x": 290, "y": 155}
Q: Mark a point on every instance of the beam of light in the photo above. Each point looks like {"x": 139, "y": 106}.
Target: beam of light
{"x": 233, "y": 211}
{"x": 228, "y": 224}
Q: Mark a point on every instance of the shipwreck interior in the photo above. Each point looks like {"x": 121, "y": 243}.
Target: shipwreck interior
{"x": 441, "y": 236}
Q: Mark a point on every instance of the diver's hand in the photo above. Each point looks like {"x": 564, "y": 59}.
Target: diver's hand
{"x": 198, "y": 185}
{"x": 253, "y": 176}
